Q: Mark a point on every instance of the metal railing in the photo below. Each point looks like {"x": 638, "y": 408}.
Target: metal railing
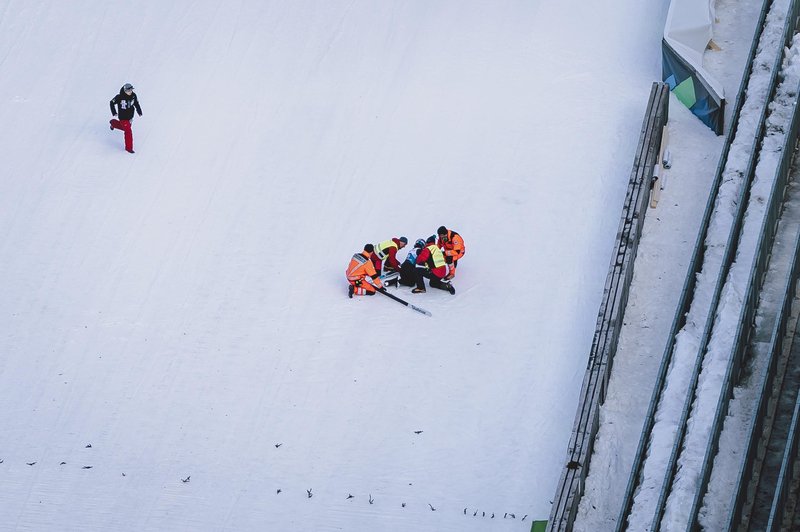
{"x": 776, "y": 344}
{"x": 688, "y": 292}
{"x": 746, "y": 322}
{"x": 785, "y": 477}
{"x": 609, "y": 321}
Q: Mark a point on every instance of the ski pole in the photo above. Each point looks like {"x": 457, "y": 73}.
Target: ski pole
{"x": 383, "y": 291}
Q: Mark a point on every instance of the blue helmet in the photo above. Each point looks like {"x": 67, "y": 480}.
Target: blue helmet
{"x": 419, "y": 243}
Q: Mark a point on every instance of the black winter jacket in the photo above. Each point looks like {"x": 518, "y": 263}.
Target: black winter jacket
{"x": 126, "y": 104}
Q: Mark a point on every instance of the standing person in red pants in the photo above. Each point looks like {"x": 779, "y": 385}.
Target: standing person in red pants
{"x": 126, "y": 101}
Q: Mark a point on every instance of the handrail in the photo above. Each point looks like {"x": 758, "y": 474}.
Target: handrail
{"x": 776, "y": 343}
{"x": 609, "y": 322}
{"x": 730, "y": 251}
{"x": 785, "y": 476}
{"x": 695, "y": 266}
{"x": 751, "y": 298}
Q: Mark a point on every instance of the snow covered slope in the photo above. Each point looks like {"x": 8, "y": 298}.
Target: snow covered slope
{"x": 183, "y": 310}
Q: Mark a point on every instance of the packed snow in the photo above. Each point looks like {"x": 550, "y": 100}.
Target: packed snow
{"x": 178, "y": 350}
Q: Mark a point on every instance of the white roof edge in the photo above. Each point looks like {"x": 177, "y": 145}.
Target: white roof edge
{"x": 688, "y": 30}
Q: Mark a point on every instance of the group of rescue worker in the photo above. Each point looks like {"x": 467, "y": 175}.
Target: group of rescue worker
{"x": 434, "y": 258}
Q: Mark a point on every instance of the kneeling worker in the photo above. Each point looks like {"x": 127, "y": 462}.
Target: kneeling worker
{"x": 358, "y": 270}
{"x": 431, "y": 264}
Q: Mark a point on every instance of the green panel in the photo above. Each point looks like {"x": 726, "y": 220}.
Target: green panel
{"x": 685, "y": 92}
{"x": 539, "y": 526}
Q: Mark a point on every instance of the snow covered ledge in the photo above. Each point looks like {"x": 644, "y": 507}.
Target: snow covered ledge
{"x": 612, "y": 308}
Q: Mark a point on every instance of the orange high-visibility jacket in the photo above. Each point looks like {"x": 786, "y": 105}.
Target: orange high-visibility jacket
{"x": 360, "y": 266}
{"x": 453, "y": 246}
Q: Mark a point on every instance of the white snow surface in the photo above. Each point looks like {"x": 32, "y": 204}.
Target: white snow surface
{"x": 177, "y": 351}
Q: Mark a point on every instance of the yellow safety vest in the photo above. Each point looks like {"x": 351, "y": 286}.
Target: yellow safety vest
{"x": 436, "y": 255}
{"x": 382, "y": 249}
